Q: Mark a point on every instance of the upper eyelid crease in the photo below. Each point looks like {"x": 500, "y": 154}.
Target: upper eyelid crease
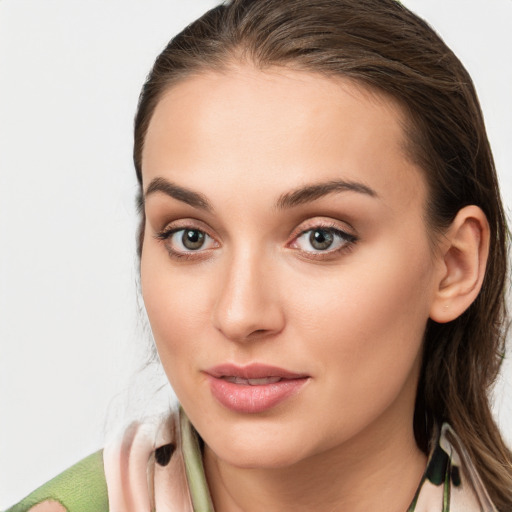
{"x": 168, "y": 231}
{"x": 334, "y": 229}
{"x": 330, "y": 225}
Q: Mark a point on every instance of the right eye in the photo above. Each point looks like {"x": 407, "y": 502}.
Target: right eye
{"x": 187, "y": 240}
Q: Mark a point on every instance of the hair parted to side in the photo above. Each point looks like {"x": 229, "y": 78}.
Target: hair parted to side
{"x": 384, "y": 46}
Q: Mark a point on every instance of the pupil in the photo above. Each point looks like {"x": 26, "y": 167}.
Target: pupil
{"x": 193, "y": 239}
{"x": 321, "y": 239}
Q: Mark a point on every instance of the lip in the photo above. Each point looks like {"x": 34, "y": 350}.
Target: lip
{"x": 257, "y": 397}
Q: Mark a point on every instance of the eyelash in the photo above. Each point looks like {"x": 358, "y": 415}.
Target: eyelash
{"x": 349, "y": 241}
{"x": 168, "y": 232}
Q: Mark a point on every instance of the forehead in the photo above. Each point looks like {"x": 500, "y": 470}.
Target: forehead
{"x": 279, "y": 127}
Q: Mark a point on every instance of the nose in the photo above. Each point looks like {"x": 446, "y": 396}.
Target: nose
{"x": 247, "y": 305}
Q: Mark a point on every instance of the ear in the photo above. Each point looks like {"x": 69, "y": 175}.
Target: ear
{"x": 463, "y": 258}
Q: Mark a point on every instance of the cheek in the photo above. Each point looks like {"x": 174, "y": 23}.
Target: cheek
{"x": 176, "y": 305}
{"x": 381, "y": 287}
{"x": 363, "y": 325}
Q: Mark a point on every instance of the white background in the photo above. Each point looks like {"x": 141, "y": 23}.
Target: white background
{"x": 70, "y": 331}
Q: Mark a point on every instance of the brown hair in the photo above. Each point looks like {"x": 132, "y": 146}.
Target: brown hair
{"x": 386, "y": 47}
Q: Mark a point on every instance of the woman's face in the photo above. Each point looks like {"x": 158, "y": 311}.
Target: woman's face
{"x": 286, "y": 267}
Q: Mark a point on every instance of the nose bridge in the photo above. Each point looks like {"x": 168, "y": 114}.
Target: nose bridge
{"x": 247, "y": 304}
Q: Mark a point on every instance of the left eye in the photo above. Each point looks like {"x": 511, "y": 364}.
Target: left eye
{"x": 189, "y": 240}
{"x": 323, "y": 240}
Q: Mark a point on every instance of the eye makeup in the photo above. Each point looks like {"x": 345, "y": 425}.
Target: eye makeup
{"x": 325, "y": 238}
{"x": 317, "y": 239}
{"x": 186, "y": 241}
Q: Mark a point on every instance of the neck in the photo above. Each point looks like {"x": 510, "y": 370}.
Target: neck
{"x": 358, "y": 476}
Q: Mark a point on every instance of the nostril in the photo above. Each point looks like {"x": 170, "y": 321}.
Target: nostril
{"x": 258, "y": 333}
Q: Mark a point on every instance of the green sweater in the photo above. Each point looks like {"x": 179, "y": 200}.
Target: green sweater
{"x": 81, "y": 488}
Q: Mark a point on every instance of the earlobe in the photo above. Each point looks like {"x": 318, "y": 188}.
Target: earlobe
{"x": 464, "y": 252}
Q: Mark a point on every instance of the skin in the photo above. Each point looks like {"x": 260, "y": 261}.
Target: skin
{"x": 257, "y": 291}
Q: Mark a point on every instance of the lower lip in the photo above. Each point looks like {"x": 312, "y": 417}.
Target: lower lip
{"x": 245, "y": 398}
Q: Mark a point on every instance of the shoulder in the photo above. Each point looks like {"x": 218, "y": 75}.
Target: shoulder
{"x": 81, "y": 488}
{"x": 145, "y": 467}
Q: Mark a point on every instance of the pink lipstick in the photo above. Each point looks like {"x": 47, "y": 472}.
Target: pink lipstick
{"x": 253, "y": 388}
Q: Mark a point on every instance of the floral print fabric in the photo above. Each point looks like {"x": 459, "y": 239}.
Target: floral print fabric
{"x": 157, "y": 466}
{"x": 450, "y": 482}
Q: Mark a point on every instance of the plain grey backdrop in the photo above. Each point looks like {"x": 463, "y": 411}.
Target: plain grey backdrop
{"x": 70, "y": 335}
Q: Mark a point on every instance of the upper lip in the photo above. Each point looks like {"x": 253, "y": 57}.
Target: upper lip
{"x": 252, "y": 371}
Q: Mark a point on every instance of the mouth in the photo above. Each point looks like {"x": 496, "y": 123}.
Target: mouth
{"x": 254, "y": 388}
{"x": 252, "y": 372}
{"x": 252, "y": 382}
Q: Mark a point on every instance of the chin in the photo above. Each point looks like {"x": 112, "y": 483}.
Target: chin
{"x": 261, "y": 445}
{"x": 258, "y": 457}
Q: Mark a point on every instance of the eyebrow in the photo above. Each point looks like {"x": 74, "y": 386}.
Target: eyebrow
{"x": 182, "y": 194}
{"x": 302, "y": 195}
{"x": 310, "y": 193}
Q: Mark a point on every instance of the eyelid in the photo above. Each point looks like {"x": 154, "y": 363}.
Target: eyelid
{"x": 327, "y": 224}
{"x": 167, "y": 232}
{"x": 323, "y": 223}
{"x": 341, "y": 228}
{"x": 176, "y": 225}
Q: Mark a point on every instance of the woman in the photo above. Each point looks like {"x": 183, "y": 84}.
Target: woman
{"x": 322, "y": 252}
